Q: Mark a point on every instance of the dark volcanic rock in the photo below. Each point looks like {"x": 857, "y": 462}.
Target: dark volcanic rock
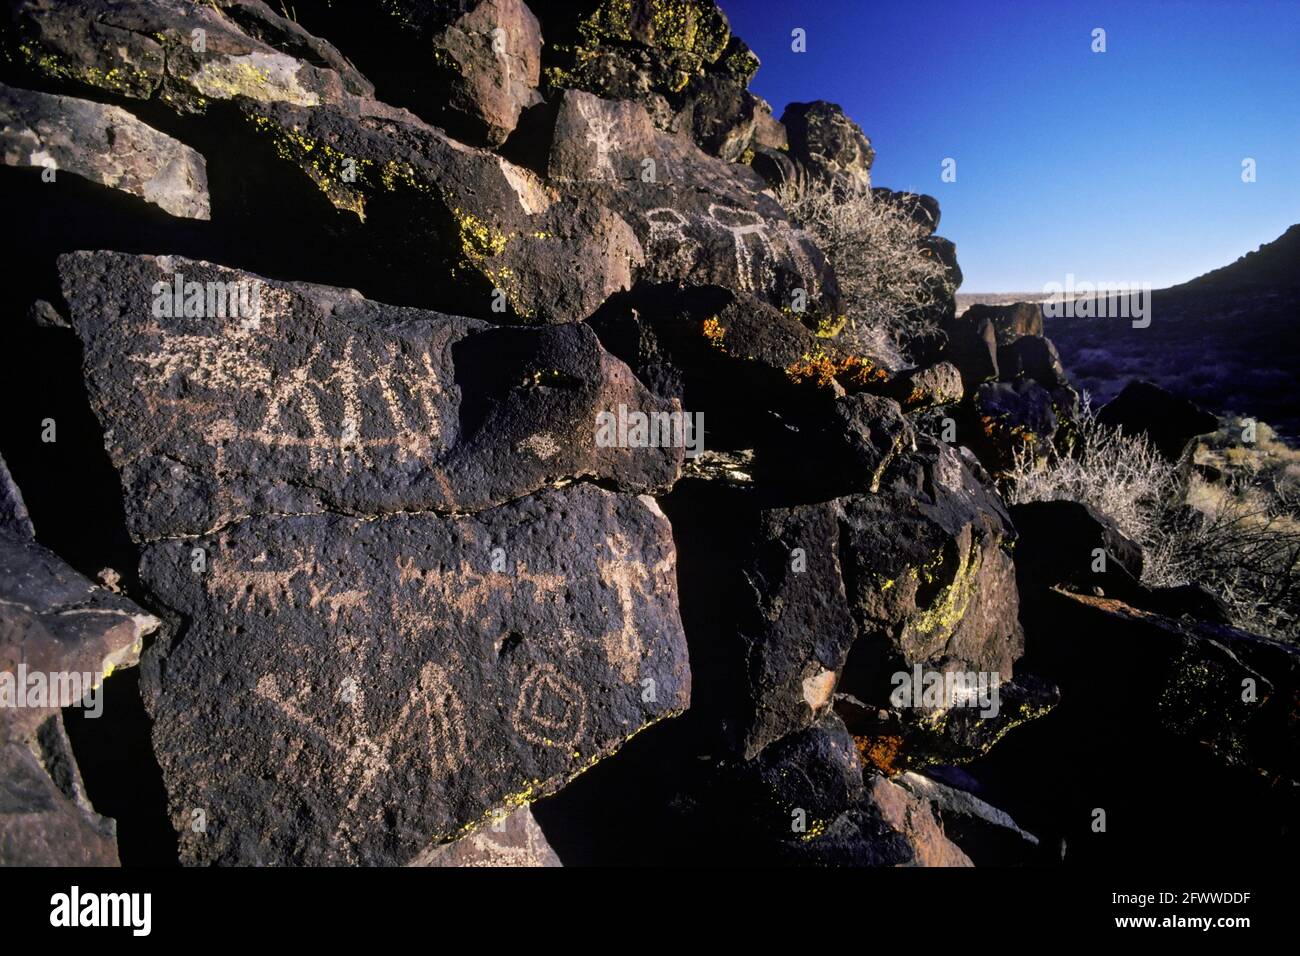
{"x": 325, "y": 400}
{"x": 869, "y": 585}
{"x": 1169, "y": 421}
{"x": 39, "y": 825}
{"x": 105, "y": 145}
{"x": 349, "y": 690}
{"x": 1234, "y": 694}
{"x": 972, "y": 346}
{"x": 699, "y": 220}
{"x": 1010, "y": 322}
{"x": 808, "y": 790}
{"x": 927, "y": 570}
{"x": 55, "y": 622}
{"x": 376, "y": 177}
{"x": 923, "y": 209}
{"x": 1035, "y": 357}
{"x": 146, "y": 49}
{"x": 489, "y": 62}
{"x": 983, "y": 832}
{"x": 828, "y": 147}
{"x": 1012, "y": 418}
{"x": 678, "y": 59}
{"x": 802, "y": 631}
{"x": 14, "y": 518}
{"x": 1058, "y": 544}
{"x": 920, "y": 388}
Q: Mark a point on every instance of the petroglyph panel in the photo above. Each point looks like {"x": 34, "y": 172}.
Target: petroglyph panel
{"x": 352, "y": 690}
{"x": 327, "y": 401}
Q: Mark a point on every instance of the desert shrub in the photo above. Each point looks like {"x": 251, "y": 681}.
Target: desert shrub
{"x": 1121, "y": 476}
{"x": 891, "y": 282}
{"x": 1239, "y": 537}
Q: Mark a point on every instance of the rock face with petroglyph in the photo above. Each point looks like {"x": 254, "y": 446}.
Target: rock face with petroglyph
{"x": 700, "y": 220}
{"x": 346, "y": 690}
{"x": 301, "y": 398}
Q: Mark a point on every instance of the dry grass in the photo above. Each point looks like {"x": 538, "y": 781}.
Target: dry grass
{"x": 1237, "y": 535}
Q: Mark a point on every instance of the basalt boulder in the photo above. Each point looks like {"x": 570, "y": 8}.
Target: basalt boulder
{"x": 1010, "y": 322}
{"x": 678, "y": 59}
{"x": 827, "y": 147}
{"x": 61, "y": 635}
{"x": 1170, "y": 422}
{"x": 348, "y": 690}
{"x": 102, "y": 144}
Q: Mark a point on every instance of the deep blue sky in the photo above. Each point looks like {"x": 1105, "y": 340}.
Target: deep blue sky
{"x": 1115, "y": 166}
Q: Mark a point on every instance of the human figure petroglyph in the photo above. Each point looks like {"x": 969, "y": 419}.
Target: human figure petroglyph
{"x": 630, "y": 579}
{"x": 367, "y": 753}
{"x": 742, "y": 224}
{"x": 603, "y": 136}
{"x": 551, "y": 710}
{"x": 668, "y": 240}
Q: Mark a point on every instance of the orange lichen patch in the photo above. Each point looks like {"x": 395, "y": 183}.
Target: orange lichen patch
{"x": 714, "y": 332}
{"x": 818, "y": 369}
{"x": 851, "y": 371}
{"x": 880, "y": 753}
{"x": 856, "y": 370}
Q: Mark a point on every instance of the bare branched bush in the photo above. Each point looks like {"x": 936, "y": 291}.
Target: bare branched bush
{"x": 889, "y": 279}
{"x": 1120, "y": 476}
{"x": 1238, "y": 537}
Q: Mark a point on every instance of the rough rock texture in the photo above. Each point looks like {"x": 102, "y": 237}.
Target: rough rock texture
{"x": 14, "y": 518}
{"x": 699, "y": 220}
{"x": 1010, "y": 322}
{"x": 40, "y": 825}
{"x": 983, "y": 832}
{"x": 1233, "y": 693}
{"x": 827, "y": 146}
{"x": 146, "y": 49}
{"x": 972, "y": 346}
{"x": 323, "y": 709}
{"x": 512, "y": 839}
{"x": 323, "y": 399}
{"x": 104, "y": 144}
{"x": 677, "y": 58}
{"x": 1058, "y": 545}
{"x": 406, "y": 592}
{"x": 55, "y": 622}
{"x": 1035, "y": 357}
{"x": 931, "y": 579}
{"x": 489, "y": 60}
{"x": 920, "y": 388}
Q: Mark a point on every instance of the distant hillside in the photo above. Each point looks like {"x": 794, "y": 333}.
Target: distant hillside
{"x": 1274, "y": 265}
{"x": 1229, "y": 339}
